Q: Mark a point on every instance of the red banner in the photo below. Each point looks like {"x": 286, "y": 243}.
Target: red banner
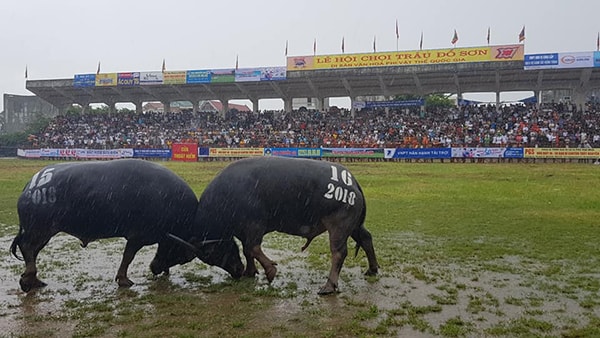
{"x": 187, "y": 152}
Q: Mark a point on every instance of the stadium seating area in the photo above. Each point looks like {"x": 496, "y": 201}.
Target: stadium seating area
{"x": 555, "y": 125}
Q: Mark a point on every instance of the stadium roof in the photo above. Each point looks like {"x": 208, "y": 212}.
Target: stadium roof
{"x": 415, "y": 79}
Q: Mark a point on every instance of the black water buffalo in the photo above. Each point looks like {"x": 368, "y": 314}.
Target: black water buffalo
{"x": 135, "y": 199}
{"x": 303, "y": 197}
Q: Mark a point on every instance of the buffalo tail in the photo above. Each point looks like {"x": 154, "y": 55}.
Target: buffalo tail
{"x": 15, "y": 243}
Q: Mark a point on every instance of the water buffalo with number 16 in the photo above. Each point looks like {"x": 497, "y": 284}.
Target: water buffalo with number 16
{"x": 143, "y": 202}
{"x": 303, "y": 197}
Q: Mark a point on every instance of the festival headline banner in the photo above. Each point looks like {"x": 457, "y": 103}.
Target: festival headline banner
{"x": 406, "y": 58}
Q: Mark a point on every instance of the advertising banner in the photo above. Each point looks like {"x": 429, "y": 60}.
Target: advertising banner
{"x": 487, "y": 152}
{"x": 353, "y": 152}
{"x": 273, "y": 73}
{"x": 293, "y": 152}
{"x": 415, "y": 153}
{"x": 562, "y": 153}
{"x": 391, "y": 104}
{"x": 286, "y": 152}
{"x": 28, "y": 153}
{"x": 597, "y": 59}
{"x": 152, "y": 153}
{"x": 187, "y": 152}
{"x": 222, "y": 75}
{"x": 128, "y": 79}
{"x": 404, "y": 58}
{"x": 53, "y": 152}
{"x": 174, "y": 77}
{"x": 99, "y": 153}
{"x": 197, "y": 76}
{"x": 106, "y": 79}
{"x": 559, "y": 60}
{"x": 236, "y": 152}
{"x": 260, "y": 74}
{"x": 151, "y": 78}
{"x": 84, "y": 80}
{"x": 247, "y": 74}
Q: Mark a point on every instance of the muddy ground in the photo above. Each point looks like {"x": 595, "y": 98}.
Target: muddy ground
{"x": 509, "y": 296}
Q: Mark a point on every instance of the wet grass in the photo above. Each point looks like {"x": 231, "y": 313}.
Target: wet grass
{"x": 499, "y": 250}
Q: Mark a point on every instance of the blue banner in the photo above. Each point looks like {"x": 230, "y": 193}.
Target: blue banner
{"x": 203, "y": 152}
{"x": 84, "y": 80}
{"x": 287, "y": 152}
{"x": 415, "y": 153}
{"x": 535, "y": 61}
{"x": 513, "y": 153}
{"x": 197, "y": 76}
{"x": 154, "y": 153}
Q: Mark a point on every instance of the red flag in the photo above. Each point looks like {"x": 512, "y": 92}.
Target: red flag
{"x": 315, "y": 47}
{"x": 454, "y": 38}
{"x": 522, "y": 35}
{"x": 286, "y": 47}
{"x": 488, "y": 36}
{"x": 342, "y": 44}
{"x": 374, "y": 44}
{"x": 397, "y": 33}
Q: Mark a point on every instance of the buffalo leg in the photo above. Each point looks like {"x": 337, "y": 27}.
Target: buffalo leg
{"x": 267, "y": 264}
{"x": 364, "y": 239}
{"x": 339, "y": 251}
{"x": 131, "y": 248}
{"x": 251, "y": 269}
{"x": 30, "y": 248}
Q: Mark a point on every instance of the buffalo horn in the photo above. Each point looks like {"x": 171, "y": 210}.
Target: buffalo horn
{"x": 190, "y": 245}
{"x": 181, "y": 241}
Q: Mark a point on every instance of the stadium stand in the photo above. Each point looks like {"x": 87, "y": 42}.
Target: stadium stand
{"x": 516, "y": 125}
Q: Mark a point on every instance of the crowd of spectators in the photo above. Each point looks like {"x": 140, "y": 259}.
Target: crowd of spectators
{"x": 516, "y": 125}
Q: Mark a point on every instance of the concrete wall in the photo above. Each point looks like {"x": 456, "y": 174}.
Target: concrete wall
{"x": 20, "y": 110}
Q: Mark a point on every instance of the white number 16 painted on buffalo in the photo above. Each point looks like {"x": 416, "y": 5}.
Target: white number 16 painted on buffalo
{"x": 337, "y": 192}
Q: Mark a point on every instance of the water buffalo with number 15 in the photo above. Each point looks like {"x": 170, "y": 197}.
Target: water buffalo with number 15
{"x": 143, "y": 202}
{"x": 303, "y": 197}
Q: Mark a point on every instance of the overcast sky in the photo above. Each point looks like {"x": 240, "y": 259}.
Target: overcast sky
{"x": 60, "y": 38}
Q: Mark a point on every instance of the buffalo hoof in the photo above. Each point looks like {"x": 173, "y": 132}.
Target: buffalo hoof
{"x": 371, "y": 272}
{"x": 249, "y": 273}
{"x": 327, "y": 289}
{"x": 271, "y": 273}
{"x": 27, "y": 286}
{"x": 124, "y": 282}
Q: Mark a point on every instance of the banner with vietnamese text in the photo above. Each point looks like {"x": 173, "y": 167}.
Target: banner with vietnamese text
{"x": 405, "y": 58}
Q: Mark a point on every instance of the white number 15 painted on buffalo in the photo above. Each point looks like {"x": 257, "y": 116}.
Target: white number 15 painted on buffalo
{"x": 337, "y": 192}
{"x": 38, "y": 193}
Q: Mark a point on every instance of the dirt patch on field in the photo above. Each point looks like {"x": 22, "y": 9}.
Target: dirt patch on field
{"x": 504, "y": 297}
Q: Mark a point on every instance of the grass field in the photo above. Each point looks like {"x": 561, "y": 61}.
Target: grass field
{"x": 499, "y": 250}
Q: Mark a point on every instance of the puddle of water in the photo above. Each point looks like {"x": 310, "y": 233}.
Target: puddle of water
{"x": 87, "y": 274}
